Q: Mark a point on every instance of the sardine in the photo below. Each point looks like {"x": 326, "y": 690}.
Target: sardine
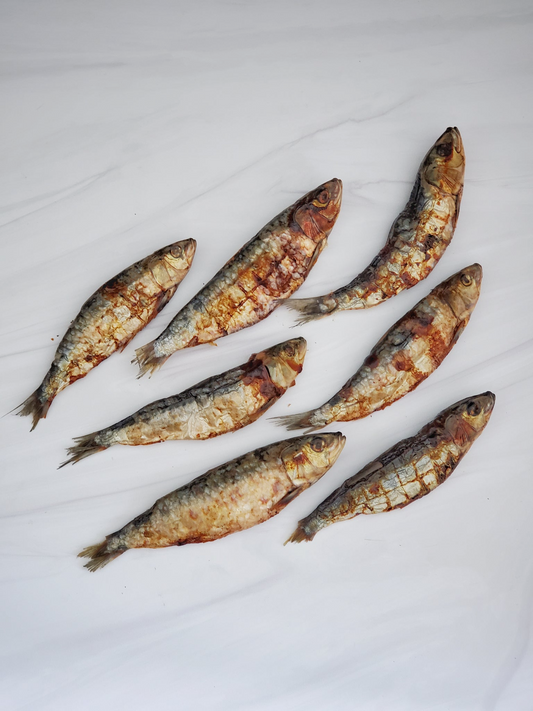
{"x": 407, "y": 471}
{"x": 405, "y": 356}
{"x": 110, "y": 318}
{"x": 272, "y": 265}
{"x": 222, "y": 403}
{"x": 232, "y": 497}
{"x": 417, "y": 239}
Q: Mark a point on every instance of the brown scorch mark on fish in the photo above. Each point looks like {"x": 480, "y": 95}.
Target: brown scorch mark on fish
{"x": 417, "y": 239}
{"x": 220, "y": 404}
{"x": 233, "y": 497}
{"x": 271, "y": 266}
{"x": 405, "y": 356}
{"x": 110, "y": 318}
{"x": 407, "y": 471}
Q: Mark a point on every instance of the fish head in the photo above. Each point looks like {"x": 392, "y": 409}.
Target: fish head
{"x": 467, "y": 419}
{"x": 309, "y": 457}
{"x": 444, "y": 165}
{"x": 284, "y": 361}
{"x": 461, "y": 291}
{"x": 317, "y": 211}
{"x": 172, "y": 263}
{"x": 181, "y": 254}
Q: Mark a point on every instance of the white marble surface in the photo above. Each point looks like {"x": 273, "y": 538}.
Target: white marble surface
{"x": 128, "y": 125}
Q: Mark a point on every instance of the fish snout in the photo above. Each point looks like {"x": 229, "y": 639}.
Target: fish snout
{"x": 335, "y": 442}
{"x": 453, "y": 136}
{"x": 185, "y": 249}
{"x": 488, "y": 400}
{"x": 334, "y": 188}
{"x": 299, "y": 346}
{"x": 475, "y": 272}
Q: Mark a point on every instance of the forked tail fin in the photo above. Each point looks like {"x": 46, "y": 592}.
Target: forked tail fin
{"x": 310, "y": 309}
{"x": 99, "y": 556}
{"x": 298, "y": 422}
{"x": 147, "y": 360}
{"x": 35, "y": 407}
{"x": 300, "y": 534}
{"x": 84, "y": 447}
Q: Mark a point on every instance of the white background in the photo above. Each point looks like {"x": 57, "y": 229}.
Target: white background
{"x": 127, "y": 125}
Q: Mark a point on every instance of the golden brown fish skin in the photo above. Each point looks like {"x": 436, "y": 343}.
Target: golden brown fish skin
{"x": 405, "y": 356}
{"x": 220, "y": 404}
{"x": 110, "y": 318}
{"x": 407, "y": 471}
{"x": 417, "y": 239}
{"x": 233, "y": 497}
{"x": 271, "y": 266}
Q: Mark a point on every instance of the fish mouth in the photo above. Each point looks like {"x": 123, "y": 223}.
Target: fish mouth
{"x": 189, "y": 248}
{"x": 184, "y": 249}
{"x": 299, "y": 348}
{"x": 490, "y": 400}
{"x": 335, "y": 445}
{"x": 475, "y": 271}
{"x": 293, "y": 350}
{"x": 448, "y": 152}
{"x": 331, "y": 211}
{"x": 452, "y": 134}
{"x": 334, "y": 188}
{"x": 462, "y": 300}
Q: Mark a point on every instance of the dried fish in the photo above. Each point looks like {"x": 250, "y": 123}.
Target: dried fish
{"x": 272, "y": 265}
{"x": 410, "y": 351}
{"x": 417, "y": 239}
{"x": 407, "y": 471}
{"x": 110, "y": 318}
{"x": 222, "y": 403}
{"x": 232, "y": 497}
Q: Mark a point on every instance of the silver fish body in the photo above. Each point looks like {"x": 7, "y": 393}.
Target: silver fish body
{"x": 110, "y": 318}
{"x": 271, "y": 266}
{"x": 405, "y": 356}
{"x": 407, "y": 471}
{"x": 220, "y": 404}
{"x": 240, "y": 494}
{"x": 417, "y": 239}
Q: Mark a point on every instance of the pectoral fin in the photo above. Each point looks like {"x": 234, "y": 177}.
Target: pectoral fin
{"x": 164, "y": 298}
{"x": 289, "y": 497}
{"x": 319, "y": 248}
{"x": 460, "y": 329}
{"x": 307, "y": 224}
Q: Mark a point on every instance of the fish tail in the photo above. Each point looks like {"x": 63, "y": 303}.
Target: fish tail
{"x": 84, "y": 447}
{"x": 311, "y": 309}
{"x": 35, "y": 407}
{"x": 300, "y": 534}
{"x": 299, "y": 422}
{"x": 99, "y": 555}
{"x": 147, "y": 360}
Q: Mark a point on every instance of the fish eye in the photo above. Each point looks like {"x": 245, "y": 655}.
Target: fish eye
{"x": 444, "y": 149}
{"x": 176, "y": 252}
{"x": 473, "y": 409}
{"x": 289, "y": 350}
{"x": 466, "y": 280}
{"x": 317, "y": 444}
{"x": 322, "y": 198}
